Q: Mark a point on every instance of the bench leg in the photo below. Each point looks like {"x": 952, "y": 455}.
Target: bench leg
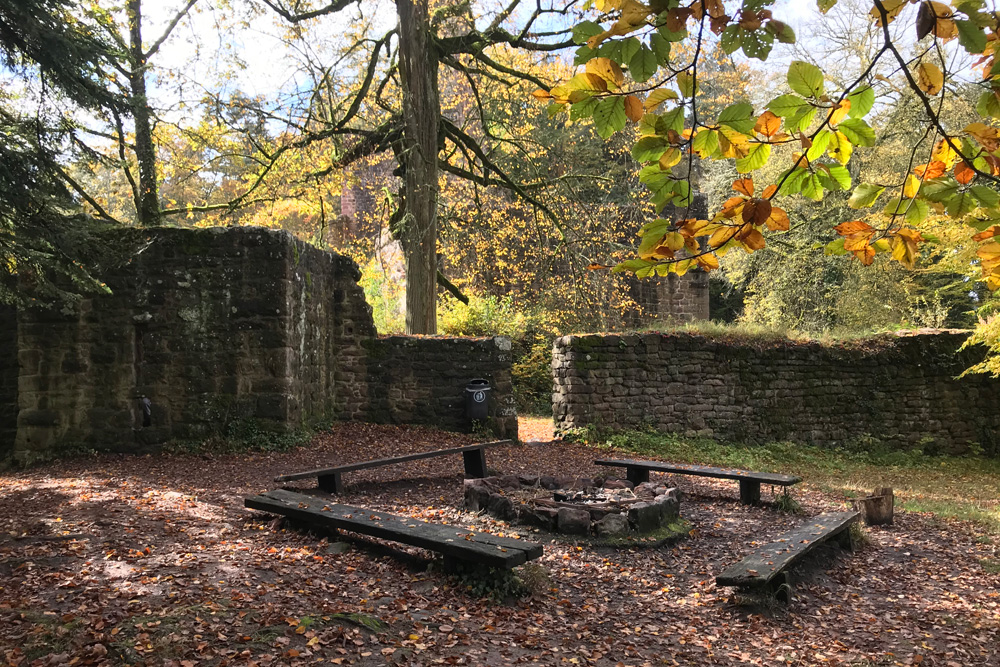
{"x": 637, "y": 475}
{"x": 475, "y": 463}
{"x": 749, "y": 492}
{"x": 844, "y": 539}
{"x": 781, "y": 587}
{"x": 331, "y": 483}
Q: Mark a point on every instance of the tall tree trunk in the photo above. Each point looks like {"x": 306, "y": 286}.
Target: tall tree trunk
{"x": 148, "y": 205}
{"x": 418, "y": 65}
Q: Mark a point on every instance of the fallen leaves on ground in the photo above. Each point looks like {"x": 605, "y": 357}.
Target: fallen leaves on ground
{"x": 154, "y": 561}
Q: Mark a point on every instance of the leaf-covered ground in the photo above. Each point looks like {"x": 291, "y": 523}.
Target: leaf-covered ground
{"x": 154, "y": 560}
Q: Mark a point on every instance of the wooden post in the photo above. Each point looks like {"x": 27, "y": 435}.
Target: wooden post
{"x": 637, "y": 475}
{"x": 749, "y": 492}
{"x": 475, "y": 463}
{"x": 878, "y": 507}
{"x": 331, "y": 483}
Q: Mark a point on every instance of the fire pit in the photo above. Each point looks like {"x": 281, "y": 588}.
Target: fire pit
{"x": 575, "y": 505}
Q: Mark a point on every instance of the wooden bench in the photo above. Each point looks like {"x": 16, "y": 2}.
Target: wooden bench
{"x": 330, "y": 480}
{"x": 454, "y": 542}
{"x": 765, "y": 567}
{"x": 638, "y": 472}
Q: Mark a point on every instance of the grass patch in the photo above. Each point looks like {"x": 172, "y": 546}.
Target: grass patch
{"x": 950, "y": 487}
{"x": 672, "y": 532}
{"x": 990, "y": 566}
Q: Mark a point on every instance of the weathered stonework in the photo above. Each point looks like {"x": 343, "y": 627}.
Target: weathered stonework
{"x": 900, "y": 388}
{"x": 215, "y": 326}
{"x": 8, "y": 380}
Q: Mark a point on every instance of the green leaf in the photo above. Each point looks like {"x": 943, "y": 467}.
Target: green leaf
{"x": 584, "y": 54}
{"x": 802, "y": 119}
{"x": 988, "y": 105}
{"x": 962, "y": 204}
{"x": 971, "y": 37}
{"x": 862, "y": 100}
{"x": 584, "y": 108}
{"x": 825, "y": 5}
{"x": 585, "y": 30}
{"x": 672, "y": 120}
{"x": 917, "y": 212}
{"x": 786, "y": 105}
{"x": 632, "y": 265}
{"x": 940, "y": 189}
{"x": 738, "y": 116}
{"x": 781, "y": 31}
{"x": 649, "y": 149}
{"x": 857, "y": 131}
{"x": 706, "y": 142}
{"x": 755, "y": 159}
{"x": 609, "y": 116}
{"x": 630, "y": 47}
{"x": 840, "y": 176}
{"x": 812, "y": 188}
{"x": 757, "y": 44}
{"x": 805, "y": 79}
{"x": 682, "y": 190}
{"x": 836, "y": 247}
{"x": 865, "y": 195}
{"x": 731, "y": 38}
{"x": 661, "y": 48}
{"x": 678, "y": 36}
{"x": 820, "y": 142}
{"x": 793, "y": 184}
{"x": 643, "y": 64}
{"x": 989, "y": 198}
{"x": 658, "y": 226}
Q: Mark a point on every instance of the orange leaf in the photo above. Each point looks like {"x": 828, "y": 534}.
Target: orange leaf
{"x": 768, "y": 124}
{"x": 867, "y": 256}
{"x": 987, "y": 234}
{"x": 744, "y": 186}
{"x": 932, "y": 169}
{"x": 757, "y": 211}
{"x": 769, "y": 191}
{"x": 778, "y": 220}
{"x": 753, "y": 240}
{"x": 853, "y": 227}
{"x": 633, "y": 108}
{"x": 597, "y": 267}
{"x": 541, "y": 94}
{"x": 732, "y": 206}
{"x": 964, "y": 173}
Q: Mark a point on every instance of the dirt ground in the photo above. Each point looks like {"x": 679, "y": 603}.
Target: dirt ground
{"x": 154, "y": 560}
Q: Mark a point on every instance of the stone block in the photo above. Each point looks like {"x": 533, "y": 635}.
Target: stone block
{"x": 612, "y": 525}
{"x": 573, "y": 521}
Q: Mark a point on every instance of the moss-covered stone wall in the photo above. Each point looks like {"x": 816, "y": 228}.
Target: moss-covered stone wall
{"x": 901, "y": 388}
{"x": 215, "y": 328}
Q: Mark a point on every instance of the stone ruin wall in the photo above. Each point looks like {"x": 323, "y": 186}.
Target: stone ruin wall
{"x": 901, "y": 388}
{"x": 220, "y": 327}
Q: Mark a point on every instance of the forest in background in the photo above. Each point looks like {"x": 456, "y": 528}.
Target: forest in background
{"x": 170, "y": 132}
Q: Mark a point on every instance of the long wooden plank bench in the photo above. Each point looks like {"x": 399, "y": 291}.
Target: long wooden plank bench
{"x": 331, "y": 481}
{"x": 453, "y": 542}
{"x": 638, "y": 472}
{"x": 765, "y": 566}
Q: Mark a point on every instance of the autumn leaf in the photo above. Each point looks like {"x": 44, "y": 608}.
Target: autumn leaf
{"x": 767, "y": 124}
{"x": 778, "y": 220}
{"x": 930, "y": 78}
{"x": 964, "y": 173}
{"x": 633, "y": 108}
{"x": 930, "y": 170}
{"x": 757, "y": 211}
{"x": 744, "y": 186}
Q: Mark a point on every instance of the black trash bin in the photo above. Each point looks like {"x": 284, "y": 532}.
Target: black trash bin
{"x": 477, "y": 394}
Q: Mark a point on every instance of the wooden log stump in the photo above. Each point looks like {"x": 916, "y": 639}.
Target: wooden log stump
{"x": 877, "y": 508}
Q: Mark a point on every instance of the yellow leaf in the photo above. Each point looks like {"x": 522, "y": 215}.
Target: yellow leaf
{"x": 541, "y": 94}
{"x": 840, "y": 149}
{"x": 670, "y": 157}
{"x": 673, "y": 240}
{"x": 930, "y": 79}
{"x": 911, "y": 186}
{"x": 988, "y": 137}
{"x": 944, "y": 153}
{"x": 840, "y": 112}
{"x": 708, "y": 262}
{"x": 607, "y": 69}
{"x": 658, "y": 97}
{"x": 892, "y": 9}
{"x": 722, "y": 235}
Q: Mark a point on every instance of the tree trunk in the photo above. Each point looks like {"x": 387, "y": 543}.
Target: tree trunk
{"x": 418, "y": 65}
{"x": 147, "y": 207}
